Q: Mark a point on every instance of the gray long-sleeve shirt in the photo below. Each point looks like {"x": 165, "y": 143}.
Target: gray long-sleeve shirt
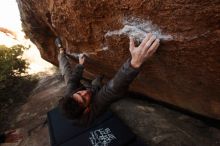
{"x": 103, "y": 98}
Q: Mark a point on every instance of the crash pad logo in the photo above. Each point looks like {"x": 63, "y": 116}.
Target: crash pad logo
{"x": 101, "y": 137}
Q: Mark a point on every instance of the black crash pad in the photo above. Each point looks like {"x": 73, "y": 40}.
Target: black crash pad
{"x": 108, "y": 130}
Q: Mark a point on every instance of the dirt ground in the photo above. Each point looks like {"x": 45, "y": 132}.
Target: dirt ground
{"x": 155, "y": 124}
{"x": 30, "y": 117}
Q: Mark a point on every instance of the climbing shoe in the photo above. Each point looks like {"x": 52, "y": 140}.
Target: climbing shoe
{"x": 58, "y": 42}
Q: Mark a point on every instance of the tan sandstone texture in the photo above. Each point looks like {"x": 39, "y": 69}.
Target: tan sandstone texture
{"x": 185, "y": 71}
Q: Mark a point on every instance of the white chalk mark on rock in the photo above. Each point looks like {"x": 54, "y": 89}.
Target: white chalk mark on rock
{"x": 105, "y": 48}
{"x": 138, "y": 29}
{"x": 76, "y": 55}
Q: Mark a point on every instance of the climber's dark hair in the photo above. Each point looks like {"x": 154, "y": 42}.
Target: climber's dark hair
{"x": 70, "y": 108}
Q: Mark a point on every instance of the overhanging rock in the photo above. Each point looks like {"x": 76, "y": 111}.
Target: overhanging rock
{"x": 184, "y": 72}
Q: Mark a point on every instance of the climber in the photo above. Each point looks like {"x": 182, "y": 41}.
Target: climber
{"x": 10, "y": 137}
{"x": 83, "y": 104}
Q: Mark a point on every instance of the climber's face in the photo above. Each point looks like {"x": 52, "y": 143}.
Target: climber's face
{"x": 83, "y": 97}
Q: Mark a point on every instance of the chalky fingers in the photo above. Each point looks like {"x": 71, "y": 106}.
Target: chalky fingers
{"x": 149, "y": 43}
{"x": 146, "y": 39}
{"x": 153, "y": 48}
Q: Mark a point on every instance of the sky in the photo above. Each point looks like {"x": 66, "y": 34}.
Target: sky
{"x": 10, "y": 19}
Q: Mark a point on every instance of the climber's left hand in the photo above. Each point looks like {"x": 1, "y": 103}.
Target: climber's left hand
{"x": 82, "y": 58}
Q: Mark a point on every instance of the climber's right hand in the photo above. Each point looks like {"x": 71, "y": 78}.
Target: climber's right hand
{"x": 82, "y": 58}
{"x": 144, "y": 51}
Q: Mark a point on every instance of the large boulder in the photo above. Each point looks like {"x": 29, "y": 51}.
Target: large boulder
{"x": 185, "y": 71}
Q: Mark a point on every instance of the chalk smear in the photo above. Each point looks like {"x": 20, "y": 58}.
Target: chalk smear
{"x": 134, "y": 27}
{"x": 105, "y": 48}
{"x": 138, "y": 29}
{"x": 76, "y": 55}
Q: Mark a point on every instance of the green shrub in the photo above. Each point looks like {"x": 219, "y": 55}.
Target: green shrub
{"x": 15, "y": 84}
{"x": 11, "y": 63}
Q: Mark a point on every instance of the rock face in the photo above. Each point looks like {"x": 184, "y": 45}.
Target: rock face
{"x": 184, "y": 72}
